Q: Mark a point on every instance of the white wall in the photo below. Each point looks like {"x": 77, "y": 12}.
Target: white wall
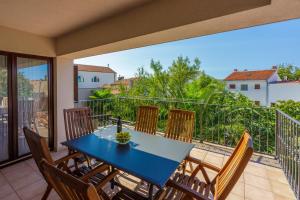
{"x": 284, "y": 91}
{"x": 105, "y": 78}
{"x": 64, "y": 96}
{"x": 253, "y": 94}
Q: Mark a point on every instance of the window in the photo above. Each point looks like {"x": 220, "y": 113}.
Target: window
{"x": 244, "y": 87}
{"x": 80, "y": 79}
{"x": 257, "y": 86}
{"x": 95, "y": 79}
{"x": 257, "y": 103}
{"x": 232, "y": 86}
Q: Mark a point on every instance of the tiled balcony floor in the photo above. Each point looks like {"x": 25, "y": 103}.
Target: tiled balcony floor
{"x": 23, "y": 180}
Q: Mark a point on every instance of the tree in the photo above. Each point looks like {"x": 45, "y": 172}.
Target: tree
{"x": 290, "y": 107}
{"x": 168, "y": 83}
{"x": 291, "y": 72}
{"x": 100, "y": 94}
{"x": 3, "y": 82}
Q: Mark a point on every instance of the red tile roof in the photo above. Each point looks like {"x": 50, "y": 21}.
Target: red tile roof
{"x": 92, "y": 68}
{"x": 250, "y": 75}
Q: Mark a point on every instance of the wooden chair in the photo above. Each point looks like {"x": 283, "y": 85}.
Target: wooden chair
{"x": 39, "y": 149}
{"x": 147, "y": 117}
{"x": 71, "y": 188}
{"x": 180, "y": 125}
{"x": 190, "y": 187}
{"x": 78, "y": 122}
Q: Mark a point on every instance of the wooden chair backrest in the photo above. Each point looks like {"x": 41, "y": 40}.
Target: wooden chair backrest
{"x": 180, "y": 125}
{"x": 78, "y": 122}
{"x": 234, "y": 167}
{"x": 67, "y": 186}
{"x": 38, "y": 147}
{"x": 147, "y": 117}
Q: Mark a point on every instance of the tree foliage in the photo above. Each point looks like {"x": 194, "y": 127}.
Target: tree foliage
{"x": 291, "y": 72}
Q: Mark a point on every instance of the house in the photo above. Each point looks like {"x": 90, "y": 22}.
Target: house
{"x": 284, "y": 90}
{"x": 90, "y": 78}
{"x": 115, "y": 86}
{"x": 264, "y": 87}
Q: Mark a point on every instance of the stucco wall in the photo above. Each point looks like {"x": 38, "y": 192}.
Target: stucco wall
{"x": 64, "y": 96}
{"x": 254, "y": 94}
{"x": 284, "y": 91}
{"x": 26, "y": 43}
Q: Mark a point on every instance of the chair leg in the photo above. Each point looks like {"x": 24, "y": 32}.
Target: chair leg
{"x": 48, "y": 190}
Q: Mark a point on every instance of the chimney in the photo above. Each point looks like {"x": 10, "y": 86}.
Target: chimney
{"x": 107, "y": 65}
{"x": 274, "y": 67}
{"x": 235, "y": 70}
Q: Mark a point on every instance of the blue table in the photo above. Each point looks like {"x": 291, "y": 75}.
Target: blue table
{"x": 148, "y": 157}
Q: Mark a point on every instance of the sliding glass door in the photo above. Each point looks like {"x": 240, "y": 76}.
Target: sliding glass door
{"x": 3, "y": 108}
{"x": 32, "y": 89}
{"x": 25, "y": 101}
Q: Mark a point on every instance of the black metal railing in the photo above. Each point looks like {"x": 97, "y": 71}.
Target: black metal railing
{"x": 219, "y": 124}
{"x": 288, "y": 148}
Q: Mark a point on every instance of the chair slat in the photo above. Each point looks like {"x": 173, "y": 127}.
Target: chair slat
{"x": 180, "y": 125}
{"x": 146, "y": 121}
{"x": 78, "y": 122}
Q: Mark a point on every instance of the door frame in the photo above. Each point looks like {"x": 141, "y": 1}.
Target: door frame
{"x": 13, "y": 104}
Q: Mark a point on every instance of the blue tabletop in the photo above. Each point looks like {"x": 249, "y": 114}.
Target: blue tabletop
{"x": 149, "y": 157}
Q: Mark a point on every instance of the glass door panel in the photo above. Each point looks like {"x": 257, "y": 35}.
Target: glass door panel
{"x": 32, "y": 96}
{"x": 3, "y": 109}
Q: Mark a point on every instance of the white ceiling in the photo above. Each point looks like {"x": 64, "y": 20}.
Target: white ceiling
{"x": 53, "y": 18}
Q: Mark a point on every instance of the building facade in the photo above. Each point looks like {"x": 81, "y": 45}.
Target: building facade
{"x": 264, "y": 87}
{"x": 90, "y": 78}
{"x": 284, "y": 90}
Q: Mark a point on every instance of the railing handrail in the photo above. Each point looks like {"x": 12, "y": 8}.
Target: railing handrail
{"x": 288, "y": 117}
{"x": 192, "y": 101}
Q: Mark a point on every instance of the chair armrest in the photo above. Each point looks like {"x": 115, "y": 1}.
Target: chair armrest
{"x": 66, "y": 158}
{"x": 93, "y": 172}
{"x": 204, "y": 164}
{"x": 186, "y": 190}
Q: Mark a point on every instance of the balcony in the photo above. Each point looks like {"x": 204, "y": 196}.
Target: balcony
{"x": 216, "y": 131}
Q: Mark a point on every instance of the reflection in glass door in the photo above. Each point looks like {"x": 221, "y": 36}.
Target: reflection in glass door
{"x": 32, "y": 98}
{"x": 3, "y": 109}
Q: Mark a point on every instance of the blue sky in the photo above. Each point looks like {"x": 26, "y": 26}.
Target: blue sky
{"x": 253, "y": 48}
{"x": 35, "y": 72}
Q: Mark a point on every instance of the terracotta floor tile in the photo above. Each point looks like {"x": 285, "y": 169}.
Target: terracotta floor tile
{"x": 26, "y": 180}
{"x": 13, "y": 174}
{"x": 33, "y": 190}
{"x": 5, "y": 190}
{"x": 257, "y": 181}
{"x": 255, "y": 193}
{"x": 282, "y": 189}
{"x": 12, "y": 196}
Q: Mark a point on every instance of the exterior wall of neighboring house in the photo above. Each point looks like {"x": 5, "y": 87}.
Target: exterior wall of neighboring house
{"x": 104, "y": 78}
{"x": 258, "y": 95}
{"x": 91, "y": 80}
{"x": 284, "y": 91}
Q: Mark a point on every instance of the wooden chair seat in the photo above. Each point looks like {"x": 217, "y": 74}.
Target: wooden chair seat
{"x": 190, "y": 187}
{"x": 71, "y": 188}
{"x": 192, "y": 183}
{"x": 98, "y": 175}
{"x": 78, "y": 122}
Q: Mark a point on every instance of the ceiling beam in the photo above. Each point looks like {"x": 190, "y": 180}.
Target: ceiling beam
{"x": 153, "y": 17}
